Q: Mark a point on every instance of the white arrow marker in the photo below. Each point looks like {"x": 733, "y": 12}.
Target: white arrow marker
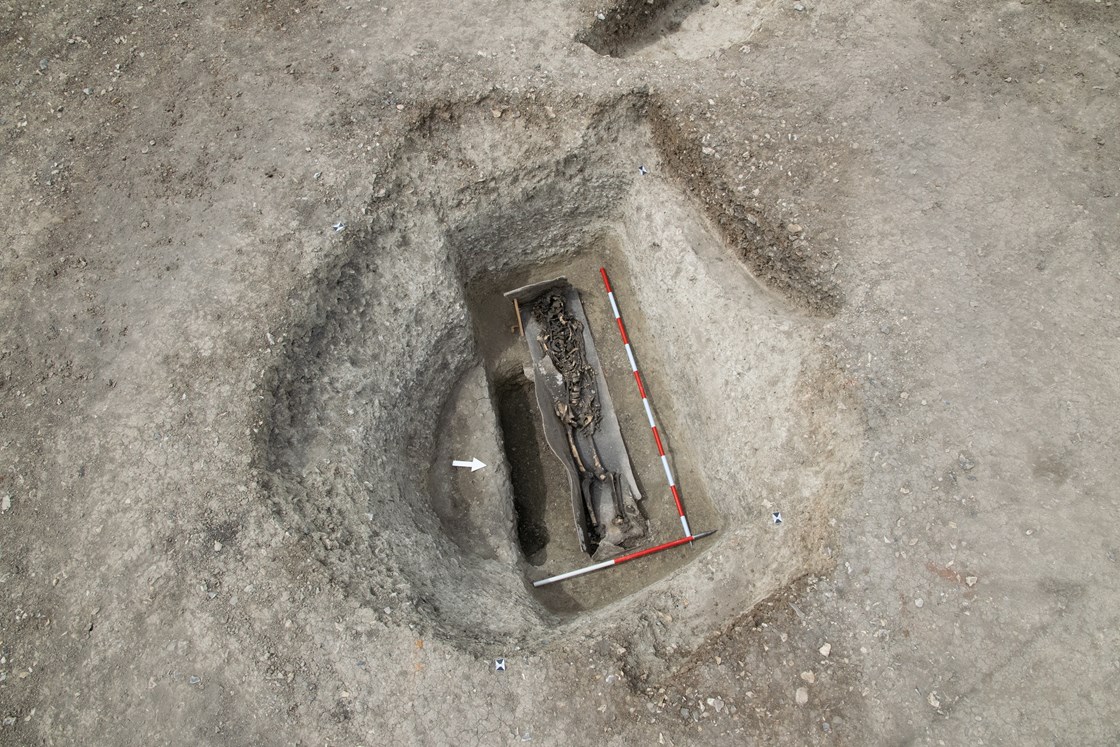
{"x": 475, "y": 464}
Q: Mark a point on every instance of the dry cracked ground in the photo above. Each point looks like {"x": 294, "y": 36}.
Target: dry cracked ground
{"x": 253, "y": 257}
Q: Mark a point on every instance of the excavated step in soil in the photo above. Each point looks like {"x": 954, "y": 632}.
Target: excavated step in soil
{"x": 385, "y": 382}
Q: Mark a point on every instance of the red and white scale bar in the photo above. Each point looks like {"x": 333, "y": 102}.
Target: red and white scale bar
{"x": 622, "y": 559}
{"x": 645, "y": 403}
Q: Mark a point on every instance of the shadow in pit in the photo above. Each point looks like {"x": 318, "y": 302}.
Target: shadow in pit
{"x": 523, "y": 438}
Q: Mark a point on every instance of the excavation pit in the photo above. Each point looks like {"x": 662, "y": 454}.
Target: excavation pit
{"x": 401, "y": 357}
{"x": 546, "y": 531}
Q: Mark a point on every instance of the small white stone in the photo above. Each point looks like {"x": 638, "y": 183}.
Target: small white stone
{"x": 6, "y": 503}
{"x": 919, "y": 603}
{"x": 809, "y": 677}
{"x": 826, "y": 649}
{"x": 802, "y": 696}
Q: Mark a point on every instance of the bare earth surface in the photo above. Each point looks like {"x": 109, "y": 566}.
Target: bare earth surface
{"x": 871, "y": 274}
